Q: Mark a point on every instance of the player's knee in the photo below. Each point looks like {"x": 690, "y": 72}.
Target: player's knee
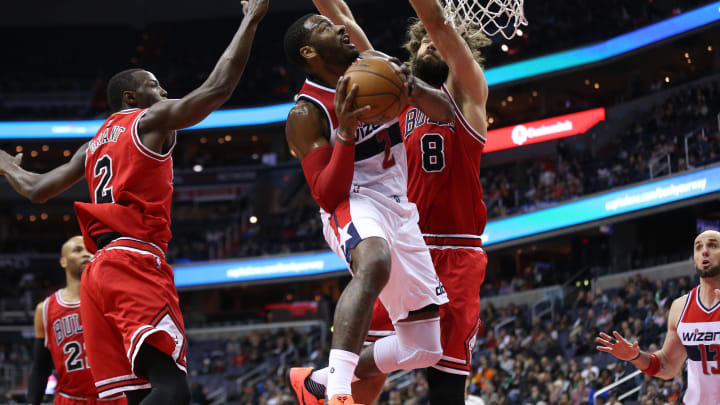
{"x": 420, "y": 343}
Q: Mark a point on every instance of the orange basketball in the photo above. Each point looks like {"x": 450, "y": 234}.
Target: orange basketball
{"x": 379, "y": 87}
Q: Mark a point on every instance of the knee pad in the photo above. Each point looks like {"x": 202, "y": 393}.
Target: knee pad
{"x": 415, "y": 345}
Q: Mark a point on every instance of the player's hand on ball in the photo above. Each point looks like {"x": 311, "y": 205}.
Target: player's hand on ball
{"x": 403, "y": 72}
{"x": 345, "y": 110}
{"x": 255, "y": 9}
{"x": 617, "y": 346}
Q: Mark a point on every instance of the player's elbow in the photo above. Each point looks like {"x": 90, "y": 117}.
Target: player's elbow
{"x": 37, "y": 197}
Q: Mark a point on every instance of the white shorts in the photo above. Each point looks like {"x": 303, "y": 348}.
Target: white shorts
{"x": 413, "y": 283}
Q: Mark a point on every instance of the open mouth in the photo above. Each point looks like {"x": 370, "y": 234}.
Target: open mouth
{"x": 346, "y": 40}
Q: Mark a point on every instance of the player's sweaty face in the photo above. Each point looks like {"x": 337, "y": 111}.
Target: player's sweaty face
{"x": 331, "y": 41}
{"x": 149, "y": 90}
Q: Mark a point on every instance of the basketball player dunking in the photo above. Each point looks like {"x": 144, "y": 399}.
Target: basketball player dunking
{"x": 59, "y": 339}
{"x": 358, "y": 175}
{"x": 444, "y": 181}
{"x": 133, "y": 327}
{"x": 693, "y": 332}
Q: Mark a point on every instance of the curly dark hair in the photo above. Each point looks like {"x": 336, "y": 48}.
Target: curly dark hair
{"x": 416, "y": 32}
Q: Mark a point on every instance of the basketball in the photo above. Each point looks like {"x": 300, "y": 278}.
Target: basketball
{"x": 379, "y": 87}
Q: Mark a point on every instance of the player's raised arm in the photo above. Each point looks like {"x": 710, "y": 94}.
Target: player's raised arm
{"x": 39, "y": 187}
{"x": 169, "y": 115}
{"x": 665, "y": 363}
{"x": 42, "y": 361}
{"x": 468, "y": 83}
{"x": 339, "y": 13}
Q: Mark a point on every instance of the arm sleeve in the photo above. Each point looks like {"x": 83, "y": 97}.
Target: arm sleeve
{"x": 41, "y": 369}
{"x": 329, "y": 172}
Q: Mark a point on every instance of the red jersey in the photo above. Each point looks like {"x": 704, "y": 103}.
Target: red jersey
{"x": 64, "y": 340}
{"x": 130, "y": 185}
{"x": 444, "y": 177}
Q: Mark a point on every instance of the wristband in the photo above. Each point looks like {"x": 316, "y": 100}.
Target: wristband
{"x": 636, "y": 357}
{"x": 344, "y": 140}
{"x": 654, "y": 366}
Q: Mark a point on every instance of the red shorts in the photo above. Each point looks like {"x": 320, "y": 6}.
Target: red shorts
{"x": 65, "y": 399}
{"x": 462, "y": 272}
{"x": 129, "y": 298}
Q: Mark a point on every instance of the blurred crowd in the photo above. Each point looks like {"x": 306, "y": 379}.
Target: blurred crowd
{"x": 75, "y": 87}
{"x": 657, "y": 137}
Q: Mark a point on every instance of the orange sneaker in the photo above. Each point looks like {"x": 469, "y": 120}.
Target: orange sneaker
{"x": 297, "y": 378}
{"x": 342, "y": 400}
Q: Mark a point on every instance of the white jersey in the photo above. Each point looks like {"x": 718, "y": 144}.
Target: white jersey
{"x": 699, "y": 331}
{"x": 380, "y": 159}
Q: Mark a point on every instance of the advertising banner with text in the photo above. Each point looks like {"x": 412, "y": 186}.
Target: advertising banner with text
{"x": 543, "y": 130}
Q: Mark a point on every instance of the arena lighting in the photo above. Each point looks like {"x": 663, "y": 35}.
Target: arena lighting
{"x": 606, "y": 49}
{"x": 502, "y": 74}
{"x": 258, "y": 269}
{"x": 544, "y": 130}
{"x": 631, "y": 199}
{"x": 648, "y": 195}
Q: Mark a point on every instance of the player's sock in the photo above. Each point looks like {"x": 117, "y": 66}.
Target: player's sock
{"x": 341, "y": 369}
{"x": 317, "y": 383}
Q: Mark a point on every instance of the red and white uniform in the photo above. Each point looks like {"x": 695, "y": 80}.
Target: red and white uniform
{"x": 64, "y": 339}
{"x": 378, "y": 206}
{"x": 699, "y": 331}
{"x": 444, "y": 182}
{"x": 128, "y": 291}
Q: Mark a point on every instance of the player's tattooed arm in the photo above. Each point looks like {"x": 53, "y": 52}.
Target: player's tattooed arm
{"x": 168, "y": 115}
{"x": 339, "y": 13}
{"x": 40, "y": 187}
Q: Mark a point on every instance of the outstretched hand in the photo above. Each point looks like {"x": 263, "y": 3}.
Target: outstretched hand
{"x": 617, "y": 346}
{"x": 345, "y": 110}
{"x": 7, "y": 159}
{"x": 255, "y": 9}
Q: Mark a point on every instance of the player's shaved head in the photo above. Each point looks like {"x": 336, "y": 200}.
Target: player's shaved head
{"x": 707, "y": 253}
{"x": 70, "y": 244}
{"x": 120, "y": 83}
{"x": 708, "y": 234}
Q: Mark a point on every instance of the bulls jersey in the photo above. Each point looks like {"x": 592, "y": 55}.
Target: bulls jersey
{"x": 699, "y": 331}
{"x": 444, "y": 164}
{"x": 64, "y": 340}
{"x": 380, "y": 160}
{"x": 130, "y": 185}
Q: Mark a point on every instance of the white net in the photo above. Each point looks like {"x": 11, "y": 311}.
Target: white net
{"x": 495, "y": 17}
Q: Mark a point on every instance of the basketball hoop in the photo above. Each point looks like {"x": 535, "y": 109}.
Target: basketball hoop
{"x": 496, "y": 17}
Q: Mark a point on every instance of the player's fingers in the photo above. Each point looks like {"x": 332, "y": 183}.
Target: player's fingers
{"x": 350, "y": 98}
{"x": 356, "y": 113}
{"x": 18, "y": 159}
{"x": 605, "y": 336}
{"x": 245, "y": 6}
{"x": 619, "y": 337}
{"x": 604, "y": 349}
{"x": 603, "y": 342}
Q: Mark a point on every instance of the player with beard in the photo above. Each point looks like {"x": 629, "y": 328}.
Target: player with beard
{"x": 358, "y": 176}
{"x": 444, "y": 181}
{"x": 59, "y": 339}
{"x": 693, "y": 332}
